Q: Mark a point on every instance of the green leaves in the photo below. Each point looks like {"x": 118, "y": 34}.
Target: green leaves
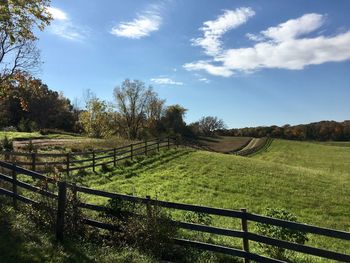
{"x": 280, "y": 233}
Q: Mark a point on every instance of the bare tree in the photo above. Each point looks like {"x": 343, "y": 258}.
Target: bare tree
{"x": 21, "y": 55}
{"x": 209, "y": 124}
{"x": 132, "y": 100}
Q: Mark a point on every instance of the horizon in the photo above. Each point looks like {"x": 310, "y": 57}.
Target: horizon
{"x": 243, "y": 62}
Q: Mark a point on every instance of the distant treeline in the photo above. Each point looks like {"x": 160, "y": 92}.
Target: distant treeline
{"x": 319, "y": 131}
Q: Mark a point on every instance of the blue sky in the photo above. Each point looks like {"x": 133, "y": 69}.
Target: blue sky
{"x": 248, "y": 62}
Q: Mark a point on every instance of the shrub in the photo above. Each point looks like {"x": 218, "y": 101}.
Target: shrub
{"x": 6, "y": 144}
{"x": 44, "y": 215}
{"x": 148, "y": 228}
{"x": 105, "y": 168}
{"x": 280, "y": 232}
{"x": 9, "y": 129}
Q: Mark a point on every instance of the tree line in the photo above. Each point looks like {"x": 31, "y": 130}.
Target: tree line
{"x": 136, "y": 112}
{"x": 319, "y": 131}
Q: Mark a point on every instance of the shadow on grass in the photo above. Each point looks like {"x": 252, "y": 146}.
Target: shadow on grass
{"x": 150, "y": 162}
{"x": 21, "y": 242}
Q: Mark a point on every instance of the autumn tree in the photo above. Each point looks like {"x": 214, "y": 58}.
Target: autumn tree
{"x": 18, "y": 52}
{"x": 154, "y": 111}
{"x": 133, "y": 99}
{"x": 173, "y": 120}
{"x": 209, "y": 124}
{"x": 31, "y": 103}
{"x": 97, "y": 120}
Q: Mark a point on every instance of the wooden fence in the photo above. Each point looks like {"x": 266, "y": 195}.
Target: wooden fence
{"x": 245, "y": 217}
{"x": 67, "y": 162}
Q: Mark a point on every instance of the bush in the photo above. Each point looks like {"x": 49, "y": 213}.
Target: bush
{"x": 44, "y": 215}
{"x": 9, "y": 129}
{"x": 6, "y": 144}
{"x": 148, "y": 228}
{"x": 280, "y": 233}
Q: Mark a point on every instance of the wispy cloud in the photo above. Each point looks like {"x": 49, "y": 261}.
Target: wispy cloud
{"x": 63, "y": 26}
{"x": 166, "y": 81}
{"x": 208, "y": 67}
{"x": 205, "y": 80}
{"x": 214, "y": 29}
{"x": 141, "y": 26}
{"x": 285, "y": 46}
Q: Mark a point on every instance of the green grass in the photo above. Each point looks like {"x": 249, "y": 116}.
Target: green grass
{"x": 336, "y": 143}
{"x": 33, "y": 135}
{"x": 19, "y": 135}
{"x": 310, "y": 180}
{"x": 318, "y": 157}
{"x": 23, "y": 242}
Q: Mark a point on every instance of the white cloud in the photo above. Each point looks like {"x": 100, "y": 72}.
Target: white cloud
{"x": 143, "y": 25}
{"x": 284, "y": 46}
{"x": 211, "y": 69}
{"x": 205, "y": 80}
{"x": 63, "y": 26}
{"x": 214, "y": 29}
{"x": 293, "y": 54}
{"x": 294, "y": 28}
{"x": 166, "y": 81}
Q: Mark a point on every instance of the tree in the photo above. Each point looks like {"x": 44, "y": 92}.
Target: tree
{"x": 18, "y": 18}
{"x": 21, "y": 55}
{"x": 132, "y": 99}
{"x": 97, "y": 119}
{"x": 173, "y": 119}
{"x": 153, "y": 113}
{"x": 31, "y": 104}
{"x": 18, "y": 52}
{"x": 208, "y": 125}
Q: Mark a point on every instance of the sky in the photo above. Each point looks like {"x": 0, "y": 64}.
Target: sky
{"x": 249, "y": 63}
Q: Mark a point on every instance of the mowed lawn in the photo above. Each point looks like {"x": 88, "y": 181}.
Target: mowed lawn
{"x": 311, "y": 180}
{"x": 33, "y": 135}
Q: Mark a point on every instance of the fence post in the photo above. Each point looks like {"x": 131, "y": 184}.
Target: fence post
{"x": 245, "y": 232}
{"x": 93, "y": 160}
{"x": 158, "y": 145}
{"x": 61, "y": 207}
{"x": 33, "y": 161}
{"x": 115, "y": 157}
{"x": 146, "y": 152}
{"x": 14, "y": 185}
{"x": 168, "y": 142}
{"x": 68, "y": 164}
{"x": 131, "y": 152}
{"x": 148, "y": 207}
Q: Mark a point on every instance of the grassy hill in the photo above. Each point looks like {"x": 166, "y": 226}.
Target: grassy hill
{"x": 311, "y": 180}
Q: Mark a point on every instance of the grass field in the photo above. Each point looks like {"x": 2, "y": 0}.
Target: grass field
{"x": 311, "y": 180}
{"x": 31, "y": 135}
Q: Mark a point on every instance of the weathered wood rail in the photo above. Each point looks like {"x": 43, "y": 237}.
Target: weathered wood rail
{"x": 244, "y": 233}
{"x": 67, "y": 162}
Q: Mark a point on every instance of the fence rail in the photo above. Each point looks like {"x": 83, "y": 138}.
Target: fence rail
{"x": 67, "y": 162}
{"x": 244, "y": 233}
